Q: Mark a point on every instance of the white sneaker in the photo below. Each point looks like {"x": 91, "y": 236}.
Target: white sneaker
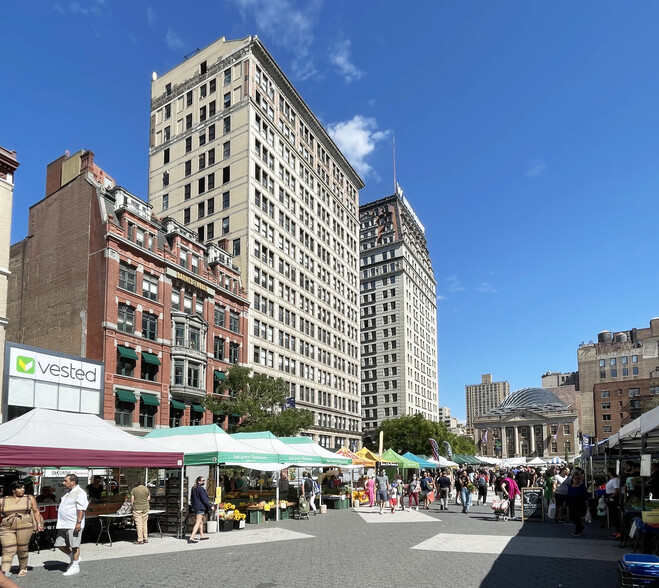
{"x": 71, "y": 558}
{"x": 73, "y": 570}
{"x": 417, "y": 508}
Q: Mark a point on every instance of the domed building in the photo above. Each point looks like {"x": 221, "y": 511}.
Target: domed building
{"x": 532, "y": 422}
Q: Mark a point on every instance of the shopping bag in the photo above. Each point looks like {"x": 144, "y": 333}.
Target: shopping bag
{"x": 551, "y": 511}
{"x": 589, "y": 517}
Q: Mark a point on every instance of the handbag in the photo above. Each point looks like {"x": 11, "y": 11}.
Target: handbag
{"x": 551, "y": 511}
{"x": 589, "y": 517}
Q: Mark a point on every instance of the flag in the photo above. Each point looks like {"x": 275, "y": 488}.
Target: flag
{"x": 557, "y": 430}
{"x": 448, "y": 450}
{"x": 485, "y": 436}
{"x": 435, "y": 449}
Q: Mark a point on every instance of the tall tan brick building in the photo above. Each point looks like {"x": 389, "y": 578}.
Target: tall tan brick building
{"x": 237, "y": 156}
{"x": 484, "y": 397}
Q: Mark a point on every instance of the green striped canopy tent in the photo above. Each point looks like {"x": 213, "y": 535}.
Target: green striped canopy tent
{"x": 209, "y": 444}
{"x": 308, "y": 445}
{"x": 266, "y": 442}
{"x": 402, "y": 462}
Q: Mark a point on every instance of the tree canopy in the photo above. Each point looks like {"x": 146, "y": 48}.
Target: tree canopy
{"x": 258, "y": 399}
{"x": 412, "y": 433}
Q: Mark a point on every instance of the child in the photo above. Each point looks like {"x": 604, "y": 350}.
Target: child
{"x": 393, "y": 498}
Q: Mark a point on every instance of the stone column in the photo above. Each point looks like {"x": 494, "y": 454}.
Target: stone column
{"x": 516, "y": 437}
{"x": 544, "y": 438}
{"x": 532, "y": 439}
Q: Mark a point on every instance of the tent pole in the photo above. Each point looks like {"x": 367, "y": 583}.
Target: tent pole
{"x": 146, "y": 476}
{"x": 181, "y": 527}
{"x": 277, "y": 501}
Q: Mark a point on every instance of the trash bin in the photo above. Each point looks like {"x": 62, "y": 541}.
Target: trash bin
{"x": 323, "y": 509}
{"x": 211, "y": 527}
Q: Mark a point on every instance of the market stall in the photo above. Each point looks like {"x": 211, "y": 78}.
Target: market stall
{"x": 423, "y": 463}
{"x": 52, "y": 438}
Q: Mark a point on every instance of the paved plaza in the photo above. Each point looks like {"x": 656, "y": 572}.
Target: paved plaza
{"x": 359, "y": 548}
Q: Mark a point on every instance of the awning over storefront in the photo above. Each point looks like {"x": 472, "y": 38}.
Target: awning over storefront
{"x": 151, "y": 358}
{"x": 177, "y": 405}
{"x": 221, "y": 376}
{"x": 150, "y": 399}
{"x": 125, "y": 395}
{"x": 198, "y": 408}
{"x": 127, "y": 353}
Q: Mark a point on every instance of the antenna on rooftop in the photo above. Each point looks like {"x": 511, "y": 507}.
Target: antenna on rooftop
{"x": 394, "y": 149}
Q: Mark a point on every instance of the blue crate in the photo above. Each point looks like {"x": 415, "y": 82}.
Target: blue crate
{"x": 639, "y": 558}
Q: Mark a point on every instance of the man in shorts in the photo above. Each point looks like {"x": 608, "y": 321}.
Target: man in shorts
{"x": 382, "y": 489}
{"x": 71, "y": 522}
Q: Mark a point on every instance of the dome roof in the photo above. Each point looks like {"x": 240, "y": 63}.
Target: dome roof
{"x": 530, "y": 398}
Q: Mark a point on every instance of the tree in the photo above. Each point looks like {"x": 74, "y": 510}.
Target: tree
{"x": 412, "y": 433}
{"x": 258, "y": 399}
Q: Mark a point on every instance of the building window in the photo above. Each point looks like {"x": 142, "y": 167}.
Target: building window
{"x": 186, "y": 216}
{"x": 147, "y": 415}
{"x": 612, "y": 361}
{"x": 234, "y": 322}
{"x": 178, "y": 373}
{"x": 634, "y": 392}
{"x": 127, "y": 277}
{"x": 634, "y": 358}
{"x": 226, "y": 125}
{"x": 236, "y": 247}
{"x": 226, "y": 175}
{"x": 188, "y": 167}
{"x": 149, "y": 326}
{"x": 225, "y": 225}
{"x": 188, "y": 98}
{"x": 218, "y": 348}
{"x": 210, "y": 231}
{"x": 554, "y": 447}
{"x": 188, "y": 121}
{"x": 226, "y": 150}
{"x": 193, "y": 375}
{"x": 606, "y": 405}
{"x": 211, "y": 157}
{"x": 176, "y": 301}
{"x": 150, "y": 287}
{"x": 126, "y": 361}
{"x": 211, "y": 132}
{"x": 614, "y": 373}
{"x": 165, "y": 201}
{"x": 149, "y": 368}
{"x": 175, "y": 416}
{"x": 211, "y": 182}
{"x": 566, "y": 429}
{"x": 126, "y": 319}
{"x": 187, "y": 192}
{"x": 226, "y": 200}
{"x": 219, "y": 317}
{"x": 625, "y": 371}
{"x": 165, "y": 156}
{"x": 227, "y": 100}
{"x": 195, "y": 339}
{"x": 227, "y": 76}
{"x": 233, "y": 354}
{"x": 606, "y": 417}
{"x": 607, "y": 429}
{"x": 201, "y": 188}
{"x": 123, "y": 413}
{"x": 606, "y": 393}
{"x": 212, "y": 86}
{"x": 634, "y": 371}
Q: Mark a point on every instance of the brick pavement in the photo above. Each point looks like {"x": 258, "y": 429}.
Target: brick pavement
{"x": 353, "y": 548}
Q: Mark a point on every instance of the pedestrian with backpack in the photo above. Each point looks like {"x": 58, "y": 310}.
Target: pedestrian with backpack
{"x": 310, "y": 491}
{"x": 482, "y": 487}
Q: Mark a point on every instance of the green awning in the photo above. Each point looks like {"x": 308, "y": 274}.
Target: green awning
{"x": 151, "y": 358}
{"x": 125, "y": 395}
{"x": 150, "y": 400}
{"x": 127, "y": 352}
{"x": 221, "y": 376}
{"x": 177, "y": 405}
{"x": 198, "y": 408}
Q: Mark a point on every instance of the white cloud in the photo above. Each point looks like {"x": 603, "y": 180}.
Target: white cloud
{"x": 93, "y": 8}
{"x": 453, "y": 284}
{"x": 486, "y": 288}
{"x": 357, "y": 138}
{"x": 151, "y": 16}
{"x": 535, "y": 168}
{"x": 439, "y": 298}
{"x": 174, "y": 42}
{"x": 340, "y": 57}
{"x": 286, "y": 26}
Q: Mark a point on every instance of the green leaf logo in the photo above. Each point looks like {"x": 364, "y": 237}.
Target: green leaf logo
{"x": 25, "y": 365}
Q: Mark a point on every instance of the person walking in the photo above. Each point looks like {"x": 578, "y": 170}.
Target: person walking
{"x": 443, "y": 487}
{"x": 563, "y": 481}
{"x": 19, "y": 512}
{"x": 413, "y": 492}
{"x": 612, "y": 499}
{"x": 382, "y": 489}
{"x": 549, "y": 488}
{"x": 482, "y": 487}
{"x": 510, "y": 491}
{"x": 466, "y": 486}
{"x": 427, "y": 487}
{"x": 200, "y": 504}
{"x": 310, "y": 492}
{"x": 139, "y": 498}
{"x": 369, "y": 486}
{"x": 458, "y": 487}
{"x": 71, "y": 522}
{"x": 577, "y": 497}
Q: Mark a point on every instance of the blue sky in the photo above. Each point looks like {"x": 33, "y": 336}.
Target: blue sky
{"x": 526, "y": 140}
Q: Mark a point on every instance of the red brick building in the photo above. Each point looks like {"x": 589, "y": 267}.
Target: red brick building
{"x": 101, "y": 277}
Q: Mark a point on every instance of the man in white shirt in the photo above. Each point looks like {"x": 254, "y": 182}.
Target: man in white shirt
{"x": 71, "y": 522}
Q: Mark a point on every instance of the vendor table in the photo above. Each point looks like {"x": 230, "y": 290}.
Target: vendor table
{"x": 107, "y": 521}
